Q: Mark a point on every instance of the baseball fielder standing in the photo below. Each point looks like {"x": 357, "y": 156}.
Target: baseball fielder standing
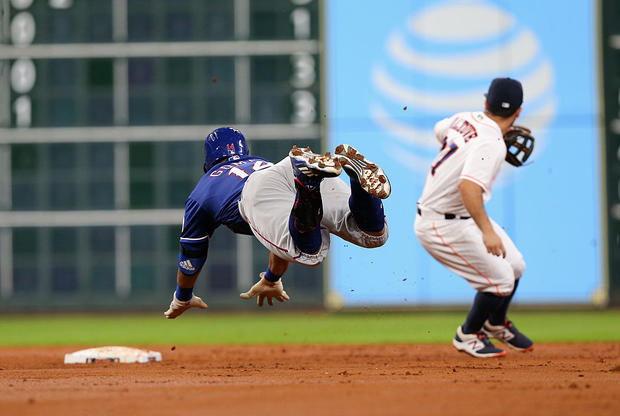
{"x": 453, "y": 226}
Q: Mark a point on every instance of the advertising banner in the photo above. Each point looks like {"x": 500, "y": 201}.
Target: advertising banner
{"x": 393, "y": 69}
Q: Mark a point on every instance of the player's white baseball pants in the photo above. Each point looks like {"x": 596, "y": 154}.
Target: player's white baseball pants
{"x": 457, "y": 244}
{"x": 266, "y": 202}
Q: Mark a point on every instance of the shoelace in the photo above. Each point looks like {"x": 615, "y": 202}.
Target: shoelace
{"x": 484, "y": 338}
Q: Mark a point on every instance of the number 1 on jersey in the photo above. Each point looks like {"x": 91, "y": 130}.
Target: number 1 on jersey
{"x": 239, "y": 173}
{"x": 242, "y": 174}
{"x": 446, "y": 152}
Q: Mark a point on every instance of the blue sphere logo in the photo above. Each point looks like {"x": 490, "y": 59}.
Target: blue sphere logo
{"x": 440, "y": 61}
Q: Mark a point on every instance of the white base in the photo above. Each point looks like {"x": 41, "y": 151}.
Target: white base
{"x": 112, "y": 354}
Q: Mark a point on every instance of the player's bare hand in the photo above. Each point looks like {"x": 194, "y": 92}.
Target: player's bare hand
{"x": 493, "y": 243}
{"x": 177, "y": 307}
{"x": 266, "y": 289}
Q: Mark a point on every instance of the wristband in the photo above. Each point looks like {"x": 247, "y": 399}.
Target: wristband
{"x": 269, "y": 276}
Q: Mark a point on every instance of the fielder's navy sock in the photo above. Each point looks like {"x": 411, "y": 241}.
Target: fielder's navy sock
{"x": 270, "y": 276}
{"x": 184, "y": 293}
{"x": 367, "y": 210}
{"x": 499, "y": 316}
{"x": 484, "y": 305}
{"x": 307, "y": 241}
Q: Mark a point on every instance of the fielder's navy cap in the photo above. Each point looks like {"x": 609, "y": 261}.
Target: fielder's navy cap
{"x": 505, "y": 96}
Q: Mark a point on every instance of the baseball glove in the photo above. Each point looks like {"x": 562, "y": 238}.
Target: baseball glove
{"x": 520, "y": 143}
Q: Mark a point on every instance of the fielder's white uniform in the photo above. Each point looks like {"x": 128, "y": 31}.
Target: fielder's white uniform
{"x": 266, "y": 202}
{"x": 474, "y": 150}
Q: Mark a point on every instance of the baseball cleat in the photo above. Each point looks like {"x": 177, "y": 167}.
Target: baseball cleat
{"x": 509, "y": 335}
{"x": 369, "y": 175}
{"x": 177, "y": 307}
{"x": 477, "y": 345}
{"x": 310, "y": 168}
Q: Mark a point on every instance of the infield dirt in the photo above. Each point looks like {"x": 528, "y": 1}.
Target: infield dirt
{"x": 566, "y": 379}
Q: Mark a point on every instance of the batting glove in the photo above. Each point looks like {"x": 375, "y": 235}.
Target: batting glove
{"x": 177, "y": 307}
{"x": 266, "y": 289}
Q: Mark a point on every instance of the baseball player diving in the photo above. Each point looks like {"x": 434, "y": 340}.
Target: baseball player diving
{"x": 453, "y": 226}
{"x": 291, "y": 207}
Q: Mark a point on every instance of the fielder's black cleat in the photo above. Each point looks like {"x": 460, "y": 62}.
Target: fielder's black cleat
{"x": 477, "y": 345}
{"x": 509, "y": 335}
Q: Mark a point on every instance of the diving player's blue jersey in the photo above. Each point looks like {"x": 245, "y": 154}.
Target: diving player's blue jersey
{"x": 213, "y": 202}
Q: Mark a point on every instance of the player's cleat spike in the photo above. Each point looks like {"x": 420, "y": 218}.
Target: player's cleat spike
{"x": 477, "y": 345}
{"x": 369, "y": 175}
{"x": 310, "y": 168}
{"x": 509, "y": 335}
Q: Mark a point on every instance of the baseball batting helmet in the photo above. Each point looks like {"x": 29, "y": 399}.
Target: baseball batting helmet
{"x": 222, "y": 143}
